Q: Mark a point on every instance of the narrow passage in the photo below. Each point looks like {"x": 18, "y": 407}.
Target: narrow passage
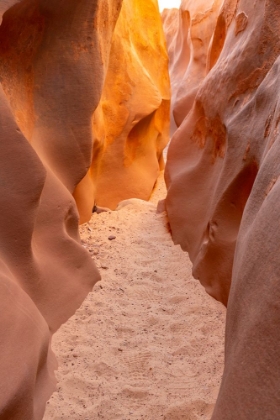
{"x": 148, "y": 341}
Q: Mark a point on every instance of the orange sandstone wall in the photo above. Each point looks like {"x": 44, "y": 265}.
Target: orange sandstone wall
{"x": 130, "y": 127}
{"x": 53, "y": 58}
{"x": 223, "y": 196}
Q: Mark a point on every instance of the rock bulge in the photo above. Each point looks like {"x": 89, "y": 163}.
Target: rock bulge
{"x": 55, "y": 59}
{"x": 223, "y": 189}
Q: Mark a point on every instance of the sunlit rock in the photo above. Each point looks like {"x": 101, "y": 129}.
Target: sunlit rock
{"x": 130, "y": 127}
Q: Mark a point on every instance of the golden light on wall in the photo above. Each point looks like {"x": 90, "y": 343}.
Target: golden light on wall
{"x": 168, "y": 4}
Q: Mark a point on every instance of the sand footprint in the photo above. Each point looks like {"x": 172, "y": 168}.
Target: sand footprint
{"x": 137, "y": 365}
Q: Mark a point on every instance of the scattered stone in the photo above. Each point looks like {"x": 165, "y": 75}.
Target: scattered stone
{"x": 111, "y": 237}
{"x": 99, "y": 210}
{"x": 161, "y": 207}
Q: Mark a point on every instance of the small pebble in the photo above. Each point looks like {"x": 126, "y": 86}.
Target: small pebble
{"x": 111, "y": 237}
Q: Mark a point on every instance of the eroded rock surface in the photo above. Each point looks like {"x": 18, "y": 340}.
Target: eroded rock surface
{"x": 84, "y": 106}
{"x": 223, "y": 195}
{"x": 131, "y": 123}
{"x": 52, "y": 64}
{"x": 189, "y": 32}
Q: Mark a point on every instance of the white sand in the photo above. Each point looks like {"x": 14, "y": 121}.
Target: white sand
{"x": 148, "y": 341}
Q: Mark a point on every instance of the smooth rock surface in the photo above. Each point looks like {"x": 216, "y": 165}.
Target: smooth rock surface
{"x": 52, "y": 68}
{"x": 223, "y": 197}
{"x": 130, "y": 127}
{"x": 189, "y": 32}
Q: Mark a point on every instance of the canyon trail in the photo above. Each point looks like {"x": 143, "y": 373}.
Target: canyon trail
{"x": 147, "y": 343}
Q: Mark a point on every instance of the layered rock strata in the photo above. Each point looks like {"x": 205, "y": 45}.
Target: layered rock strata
{"x": 223, "y": 193}
{"x": 53, "y": 58}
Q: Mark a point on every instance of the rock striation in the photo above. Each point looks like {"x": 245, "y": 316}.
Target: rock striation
{"x": 53, "y": 59}
{"x": 130, "y": 126}
{"x": 223, "y": 194}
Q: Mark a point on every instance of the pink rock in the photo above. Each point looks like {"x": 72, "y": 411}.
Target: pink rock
{"x": 52, "y": 68}
{"x": 189, "y": 33}
{"x": 223, "y": 197}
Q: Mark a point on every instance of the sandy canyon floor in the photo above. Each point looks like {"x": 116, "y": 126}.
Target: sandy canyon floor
{"x": 148, "y": 341}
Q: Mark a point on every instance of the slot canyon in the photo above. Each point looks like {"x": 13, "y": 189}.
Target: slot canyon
{"x": 138, "y": 227}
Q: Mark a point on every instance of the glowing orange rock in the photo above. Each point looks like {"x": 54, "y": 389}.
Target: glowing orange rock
{"x": 223, "y": 197}
{"x": 52, "y": 61}
{"x": 131, "y": 123}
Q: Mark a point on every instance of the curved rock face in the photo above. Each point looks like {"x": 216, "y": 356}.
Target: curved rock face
{"x": 189, "y": 32}
{"x": 131, "y": 123}
{"x": 53, "y": 58}
{"x": 223, "y": 193}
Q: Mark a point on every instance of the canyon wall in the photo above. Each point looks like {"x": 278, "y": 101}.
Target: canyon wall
{"x": 83, "y": 113}
{"x": 130, "y": 126}
{"x": 52, "y": 65}
{"x": 223, "y": 191}
{"x": 189, "y": 32}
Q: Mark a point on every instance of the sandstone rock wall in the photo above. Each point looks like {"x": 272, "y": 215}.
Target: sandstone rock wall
{"x": 223, "y": 196}
{"x": 130, "y": 127}
{"x": 189, "y": 32}
{"x": 84, "y": 105}
{"x": 53, "y": 58}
